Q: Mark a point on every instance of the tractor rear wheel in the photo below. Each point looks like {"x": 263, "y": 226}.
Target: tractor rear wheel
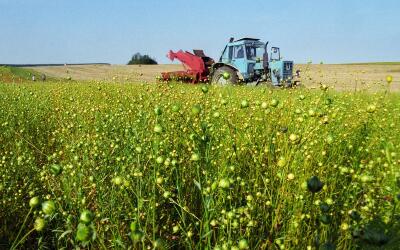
{"x": 224, "y": 76}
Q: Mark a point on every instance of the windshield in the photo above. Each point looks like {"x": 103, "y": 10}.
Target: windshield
{"x": 275, "y": 54}
{"x": 253, "y": 52}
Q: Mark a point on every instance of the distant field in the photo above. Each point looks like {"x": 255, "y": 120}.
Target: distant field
{"x": 109, "y": 72}
{"x": 351, "y": 77}
{"x": 337, "y": 76}
{"x": 374, "y": 63}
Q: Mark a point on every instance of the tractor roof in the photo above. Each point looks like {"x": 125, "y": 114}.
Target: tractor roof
{"x": 247, "y": 39}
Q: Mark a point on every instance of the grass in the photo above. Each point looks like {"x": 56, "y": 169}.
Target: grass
{"x": 18, "y": 75}
{"x": 199, "y": 167}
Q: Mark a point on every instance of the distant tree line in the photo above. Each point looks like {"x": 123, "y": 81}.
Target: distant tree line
{"x": 141, "y": 59}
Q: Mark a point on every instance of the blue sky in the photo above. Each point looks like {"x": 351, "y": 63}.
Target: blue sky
{"x": 76, "y": 31}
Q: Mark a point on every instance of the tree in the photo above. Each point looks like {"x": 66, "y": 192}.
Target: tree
{"x": 141, "y": 59}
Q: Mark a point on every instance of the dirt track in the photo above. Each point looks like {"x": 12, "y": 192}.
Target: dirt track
{"x": 341, "y": 77}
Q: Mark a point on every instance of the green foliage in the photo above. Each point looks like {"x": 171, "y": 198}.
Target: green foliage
{"x": 141, "y": 59}
{"x": 22, "y": 72}
{"x": 106, "y": 166}
{"x": 15, "y": 74}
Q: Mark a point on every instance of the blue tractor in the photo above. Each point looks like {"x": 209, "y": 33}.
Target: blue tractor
{"x": 247, "y": 60}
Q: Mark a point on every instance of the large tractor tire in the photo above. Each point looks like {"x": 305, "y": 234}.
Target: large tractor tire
{"x": 224, "y": 76}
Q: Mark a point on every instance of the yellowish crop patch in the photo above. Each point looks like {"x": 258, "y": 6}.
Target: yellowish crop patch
{"x": 143, "y": 166}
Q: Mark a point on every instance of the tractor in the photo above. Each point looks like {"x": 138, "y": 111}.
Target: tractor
{"x": 242, "y": 61}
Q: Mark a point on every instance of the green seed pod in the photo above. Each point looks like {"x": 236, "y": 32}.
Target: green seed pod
{"x": 325, "y": 219}
{"x": 137, "y": 236}
{"x": 158, "y": 244}
{"x": 55, "y": 169}
{"x": 226, "y": 75}
{"x": 138, "y": 149}
{"x": 214, "y": 186}
{"x": 281, "y": 162}
{"x": 324, "y": 87}
{"x": 314, "y": 185}
{"x": 175, "y": 108}
{"x": 196, "y": 109}
{"x": 371, "y": 108}
{"x": 195, "y": 157}
{"x": 134, "y": 226}
{"x": 39, "y": 224}
{"x": 324, "y": 207}
{"x": 158, "y": 129}
{"x": 166, "y": 194}
{"x": 293, "y": 138}
{"x": 244, "y": 104}
{"x": 224, "y": 183}
{"x": 83, "y": 232}
{"x": 328, "y": 101}
{"x": 243, "y": 244}
{"x": 159, "y": 180}
{"x": 175, "y": 229}
{"x": 86, "y": 216}
{"x": 264, "y": 105}
{"x": 389, "y": 79}
{"x": 157, "y": 111}
{"x": 160, "y": 159}
{"x": 274, "y": 102}
{"x": 204, "y": 89}
{"x": 329, "y": 139}
{"x": 283, "y": 129}
{"x": 34, "y": 202}
{"x": 48, "y": 207}
{"x": 117, "y": 180}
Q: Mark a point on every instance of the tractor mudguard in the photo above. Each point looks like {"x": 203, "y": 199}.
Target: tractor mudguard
{"x": 218, "y": 65}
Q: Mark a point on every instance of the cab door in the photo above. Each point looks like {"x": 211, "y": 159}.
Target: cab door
{"x": 227, "y": 55}
{"x": 239, "y": 59}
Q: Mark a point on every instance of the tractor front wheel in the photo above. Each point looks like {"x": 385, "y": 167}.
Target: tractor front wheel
{"x": 224, "y": 76}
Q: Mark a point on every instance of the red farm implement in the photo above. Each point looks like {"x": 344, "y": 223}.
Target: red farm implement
{"x": 196, "y": 67}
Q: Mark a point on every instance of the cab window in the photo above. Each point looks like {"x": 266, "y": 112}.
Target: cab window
{"x": 238, "y": 52}
{"x": 230, "y": 52}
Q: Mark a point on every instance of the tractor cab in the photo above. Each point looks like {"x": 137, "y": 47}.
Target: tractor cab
{"x": 249, "y": 59}
{"x": 245, "y": 55}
